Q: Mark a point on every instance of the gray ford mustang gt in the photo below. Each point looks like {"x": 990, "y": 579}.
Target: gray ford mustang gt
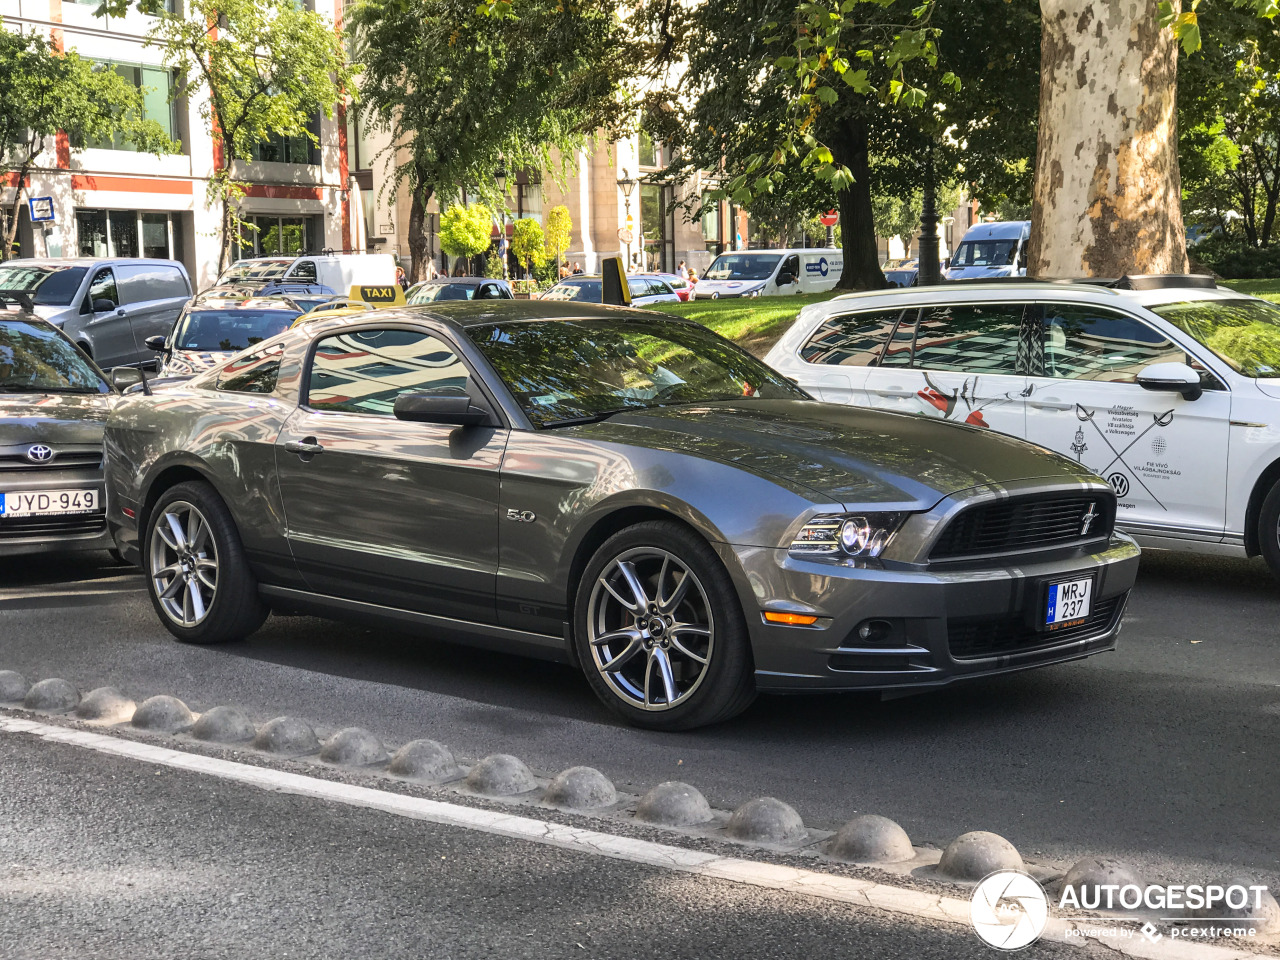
{"x": 627, "y": 492}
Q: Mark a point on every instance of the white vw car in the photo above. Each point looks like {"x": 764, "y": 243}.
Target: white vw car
{"x": 1169, "y": 387}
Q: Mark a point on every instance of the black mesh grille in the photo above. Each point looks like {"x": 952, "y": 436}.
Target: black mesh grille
{"x": 991, "y": 637}
{"x": 70, "y": 525}
{"x": 1019, "y": 524}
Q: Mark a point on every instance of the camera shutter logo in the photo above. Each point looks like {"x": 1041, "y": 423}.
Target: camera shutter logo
{"x": 39, "y": 453}
{"x": 1009, "y": 910}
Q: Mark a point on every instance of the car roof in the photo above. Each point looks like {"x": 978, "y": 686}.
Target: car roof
{"x": 463, "y": 314}
{"x": 998, "y": 230}
{"x": 465, "y": 281}
{"x": 84, "y": 261}
{"x": 1097, "y": 292}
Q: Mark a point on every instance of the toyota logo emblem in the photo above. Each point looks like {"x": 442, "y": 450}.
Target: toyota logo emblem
{"x": 39, "y": 453}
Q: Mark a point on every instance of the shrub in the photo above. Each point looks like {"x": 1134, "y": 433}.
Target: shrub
{"x": 1236, "y": 259}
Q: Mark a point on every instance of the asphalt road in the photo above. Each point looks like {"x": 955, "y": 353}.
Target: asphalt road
{"x": 149, "y": 862}
{"x": 1165, "y": 753}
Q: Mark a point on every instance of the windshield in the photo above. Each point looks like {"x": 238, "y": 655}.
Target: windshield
{"x": 47, "y": 285}
{"x": 443, "y": 291}
{"x": 985, "y": 253}
{"x": 587, "y": 290}
{"x": 742, "y": 266}
{"x": 35, "y": 358}
{"x": 567, "y": 371}
{"x": 229, "y": 330}
{"x": 255, "y": 272}
{"x": 1244, "y": 332}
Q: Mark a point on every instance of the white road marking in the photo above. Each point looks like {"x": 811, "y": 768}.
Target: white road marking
{"x": 859, "y": 893}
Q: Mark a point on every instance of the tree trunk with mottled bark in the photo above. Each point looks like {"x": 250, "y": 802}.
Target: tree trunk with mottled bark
{"x": 1107, "y": 195}
{"x": 419, "y": 242}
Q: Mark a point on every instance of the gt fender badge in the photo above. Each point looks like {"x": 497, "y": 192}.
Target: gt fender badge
{"x": 522, "y": 516}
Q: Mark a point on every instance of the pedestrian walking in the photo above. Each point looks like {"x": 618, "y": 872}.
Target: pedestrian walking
{"x": 402, "y": 278}
{"x": 683, "y": 271}
{"x": 432, "y": 270}
{"x": 577, "y": 269}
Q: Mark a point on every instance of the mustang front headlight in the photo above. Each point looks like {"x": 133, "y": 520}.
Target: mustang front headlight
{"x": 846, "y": 536}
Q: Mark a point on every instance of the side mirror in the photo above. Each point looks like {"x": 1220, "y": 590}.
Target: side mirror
{"x": 122, "y": 378}
{"x": 1173, "y": 377}
{"x": 450, "y": 405}
{"x": 103, "y": 306}
{"x": 156, "y": 343}
{"x": 784, "y": 278}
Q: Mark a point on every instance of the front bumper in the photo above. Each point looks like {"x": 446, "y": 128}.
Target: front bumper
{"x": 54, "y": 533}
{"x": 943, "y": 623}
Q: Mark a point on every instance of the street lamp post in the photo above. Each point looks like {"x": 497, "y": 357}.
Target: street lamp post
{"x": 500, "y": 178}
{"x": 930, "y": 273}
{"x": 627, "y": 185}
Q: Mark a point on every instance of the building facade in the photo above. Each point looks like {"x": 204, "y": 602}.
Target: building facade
{"x": 110, "y": 200}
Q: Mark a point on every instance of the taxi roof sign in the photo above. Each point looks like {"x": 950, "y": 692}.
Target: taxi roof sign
{"x": 379, "y": 295}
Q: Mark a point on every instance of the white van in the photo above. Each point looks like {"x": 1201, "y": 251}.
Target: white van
{"x": 767, "y": 273}
{"x": 991, "y": 250}
{"x": 337, "y": 271}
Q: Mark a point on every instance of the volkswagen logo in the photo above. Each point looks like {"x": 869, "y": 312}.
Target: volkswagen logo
{"x": 39, "y": 453}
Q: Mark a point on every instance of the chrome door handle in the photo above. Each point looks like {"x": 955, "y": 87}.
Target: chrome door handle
{"x": 306, "y": 447}
{"x": 895, "y": 392}
{"x": 1050, "y": 404}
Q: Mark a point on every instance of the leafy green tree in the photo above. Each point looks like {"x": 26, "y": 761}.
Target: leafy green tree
{"x": 897, "y": 216}
{"x": 466, "y": 231}
{"x": 465, "y": 89}
{"x": 44, "y": 91}
{"x": 558, "y": 233}
{"x": 264, "y": 71}
{"x": 1229, "y": 122}
{"x": 528, "y": 244}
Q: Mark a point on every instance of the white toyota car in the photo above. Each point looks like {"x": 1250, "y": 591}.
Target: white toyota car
{"x": 1169, "y": 387}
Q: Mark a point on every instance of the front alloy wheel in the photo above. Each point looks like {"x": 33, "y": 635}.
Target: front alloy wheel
{"x": 659, "y": 629}
{"x": 651, "y": 629}
{"x": 183, "y": 563}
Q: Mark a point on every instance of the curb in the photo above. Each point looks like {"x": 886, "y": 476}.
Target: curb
{"x": 766, "y": 823}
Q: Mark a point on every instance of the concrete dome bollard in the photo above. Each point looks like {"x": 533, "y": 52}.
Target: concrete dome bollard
{"x": 871, "y": 839}
{"x": 581, "y": 788}
{"x": 54, "y": 695}
{"x": 673, "y": 804}
{"x": 224, "y": 725}
{"x": 500, "y": 775}
{"x": 974, "y": 855}
{"x": 1086, "y": 878}
{"x": 106, "y": 705}
{"x": 766, "y": 820}
{"x": 286, "y": 736}
{"x": 353, "y": 747}
{"x": 1264, "y": 916}
{"x": 13, "y": 686}
{"x": 424, "y": 760}
{"x": 163, "y": 714}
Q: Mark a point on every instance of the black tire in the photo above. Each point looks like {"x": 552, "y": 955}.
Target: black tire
{"x": 716, "y": 691}
{"x": 1269, "y": 529}
{"x": 233, "y": 609}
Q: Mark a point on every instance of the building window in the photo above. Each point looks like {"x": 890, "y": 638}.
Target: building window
{"x": 657, "y": 227}
{"x": 279, "y": 236}
{"x": 126, "y": 233}
{"x": 156, "y": 84}
{"x": 529, "y": 198}
{"x": 297, "y": 149}
{"x": 648, "y": 153}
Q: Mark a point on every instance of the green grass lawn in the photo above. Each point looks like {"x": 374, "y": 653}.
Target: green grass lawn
{"x": 1270, "y": 289}
{"x": 756, "y": 323}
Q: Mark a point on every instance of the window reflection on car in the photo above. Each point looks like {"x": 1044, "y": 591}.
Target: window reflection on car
{"x": 984, "y": 253}
{"x": 742, "y": 266}
{"x": 35, "y": 358}
{"x": 229, "y": 330}
{"x": 48, "y": 285}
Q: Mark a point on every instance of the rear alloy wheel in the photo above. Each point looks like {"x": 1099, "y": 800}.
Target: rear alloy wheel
{"x": 660, "y": 631}
{"x": 197, "y": 576}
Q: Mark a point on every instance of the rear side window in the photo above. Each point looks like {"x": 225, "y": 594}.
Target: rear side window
{"x": 256, "y": 372}
{"x": 969, "y": 338}
{"x": 365, "y": 370}
{"x": 1091, "y": 343}
{"x": 853, "y": 340}
{"x": 142, "y": 282}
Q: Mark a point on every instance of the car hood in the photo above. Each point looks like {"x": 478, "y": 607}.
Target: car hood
{"x": 849, "y": 455}
{"x": 186, "y": 363}
{"x": 53, "y": 418}
{"x": 977, "y": 273}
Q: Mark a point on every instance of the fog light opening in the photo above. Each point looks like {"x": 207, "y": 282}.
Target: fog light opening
{"x": 874, "y": 632}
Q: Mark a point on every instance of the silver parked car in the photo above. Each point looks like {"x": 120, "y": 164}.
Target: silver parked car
{"x": 107, "y": 307}
{"x": 613, "y": 488}
{"x": 53, "y": 405}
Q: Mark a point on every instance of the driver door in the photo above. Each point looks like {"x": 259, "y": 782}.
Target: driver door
{"x": 109, "y": 330}
{"x": 387, "y": 511}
